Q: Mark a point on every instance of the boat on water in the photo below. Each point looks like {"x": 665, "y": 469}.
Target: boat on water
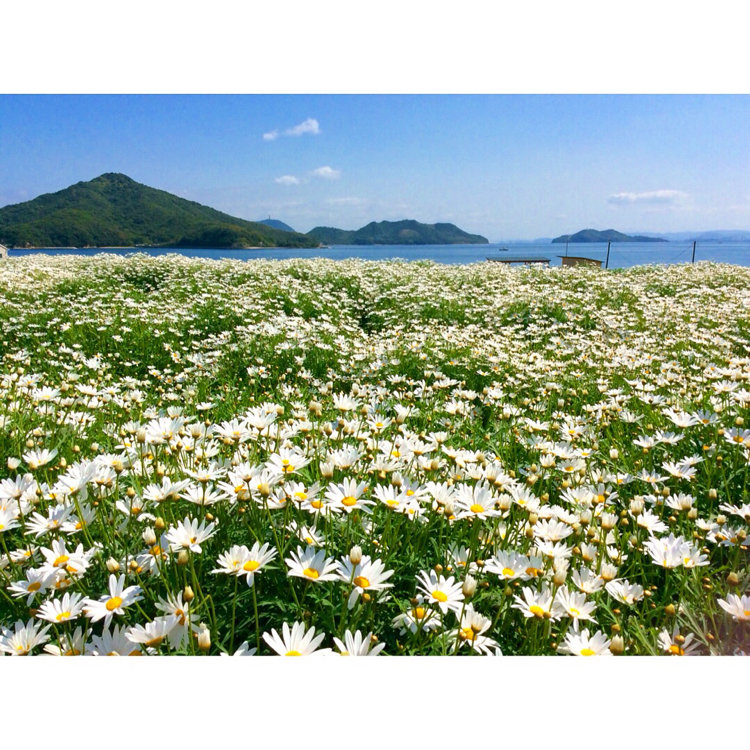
{"x": 500, "y": 250}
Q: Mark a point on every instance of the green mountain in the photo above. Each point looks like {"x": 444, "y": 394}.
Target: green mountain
{"x": 113, "y": 210}
{"x": 407, "y": 232}
{"x": 608, "y": 235}
{"x": 276, "y": 224}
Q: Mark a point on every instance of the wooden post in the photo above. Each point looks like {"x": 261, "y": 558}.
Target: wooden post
{"x": 606, "y": 265}
{"x": 693, "y": 260}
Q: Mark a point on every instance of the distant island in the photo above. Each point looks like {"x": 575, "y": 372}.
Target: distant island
{"x": 113, "y": 210}
{"x": 408, "y": 232}
{"x": 608, "y": 235}
{"x": 276, "y": 224}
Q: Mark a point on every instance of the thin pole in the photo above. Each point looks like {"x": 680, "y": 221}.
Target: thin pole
{"x": 693, "y": 260}
{"x": 606, "y": 265}
{"x": 566, "y": 248}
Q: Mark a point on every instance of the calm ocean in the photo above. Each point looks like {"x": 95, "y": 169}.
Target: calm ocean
{"x": 621, "y": 255}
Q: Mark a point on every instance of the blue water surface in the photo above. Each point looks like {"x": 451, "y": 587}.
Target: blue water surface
{"x": 622, "y": 255}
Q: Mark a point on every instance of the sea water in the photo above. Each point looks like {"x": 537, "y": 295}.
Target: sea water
{"x": 621, "y": 255}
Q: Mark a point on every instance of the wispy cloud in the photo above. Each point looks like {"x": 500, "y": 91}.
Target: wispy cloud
{"x": 327, "y": 173}
{"x": 309, "y": 126}
{"x": 649, "y": 198}
{"x": 287, "y": 179}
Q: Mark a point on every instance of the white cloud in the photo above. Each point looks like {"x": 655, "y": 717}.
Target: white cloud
{"x": 652, "y": 197}
{"x": 327, "y": 173}
{"x": 310, "y": 125}
{"x": 287, "y": 179}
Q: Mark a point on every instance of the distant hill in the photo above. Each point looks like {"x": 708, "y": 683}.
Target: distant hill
{"x": 276, "y": 224}
{"x": 608, "y": 235}
{"x": 718, "y": 235}
{"x": 408, "y": 232}
{"x": 114, "y": 210}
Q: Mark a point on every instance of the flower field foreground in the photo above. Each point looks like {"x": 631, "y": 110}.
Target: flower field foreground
{"x": 311, "y": 457}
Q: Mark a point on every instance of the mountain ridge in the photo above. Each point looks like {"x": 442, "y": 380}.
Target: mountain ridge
{"x": 113, "y": 210}
{"x": 607, "y": 235}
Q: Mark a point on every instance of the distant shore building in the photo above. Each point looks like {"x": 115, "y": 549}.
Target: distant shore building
{"x": 577, "y": 260}
{"x": 520, "y": 260}
{"x": 3, "y": 251}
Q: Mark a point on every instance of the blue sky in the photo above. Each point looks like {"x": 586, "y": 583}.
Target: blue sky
{"x": 505, "y": 166}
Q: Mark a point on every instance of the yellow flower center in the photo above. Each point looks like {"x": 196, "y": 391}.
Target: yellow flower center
{"x": 155, "y": 550}
{"x": 418, "y": 612}
{"x": 251, "y": 565}
{"x": 63, "y": 616}
{"x": 300, "y": 496}
{"x": 311, "y": 573}
{"x": 676, "y": 650}
{"x": 441, "y": 596}
{"x": 587, "y": 652}
{"x": 35, "y": 586}
{"x": 349, "y": 501}
{"x": 361, "y": 581}
{"x": 113, "y": 603}
{"x": 293, "y": 653}
{"x": 467, "y": 634}
{"x": 60, "y": 561}
{"x": 317, "y": 504}
{"x": 574, "y": 611}
{"x": 155, "y": 641}
{"x": 509, "y": 572}
{"x": 409, "y": 493}
{"x": 476, "y": 508}
{"x": 536, "y": 610}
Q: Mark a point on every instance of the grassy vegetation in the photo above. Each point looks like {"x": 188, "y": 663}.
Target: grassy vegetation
{"x": 484, "y": 460}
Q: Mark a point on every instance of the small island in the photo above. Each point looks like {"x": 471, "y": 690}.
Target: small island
{"x": 407, "y": 232}
{"x": 608, "y": 235}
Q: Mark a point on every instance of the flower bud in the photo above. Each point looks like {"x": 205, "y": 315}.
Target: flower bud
{"x": 326, "y": 470}
{"x": 159, "y": 524}
{"x": 204, "y": 639}
{"x": 149, "y": 537}
{"x": 182, "y": 557}
{"x": 614, "y": 454}
{"x": 112, "y": 565}
{"x": 617, "y": 645}
{"x": 636, "y": 506}
{"x": 670, "y": 610}
{"x": 355, "y": 555}
{"x": 187, "y": 594}
{"x": 13, "y": 463}
{"x": 712, "y": 494}
{"x": 733, "y": 579}
{"x": 469, "y": 586}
